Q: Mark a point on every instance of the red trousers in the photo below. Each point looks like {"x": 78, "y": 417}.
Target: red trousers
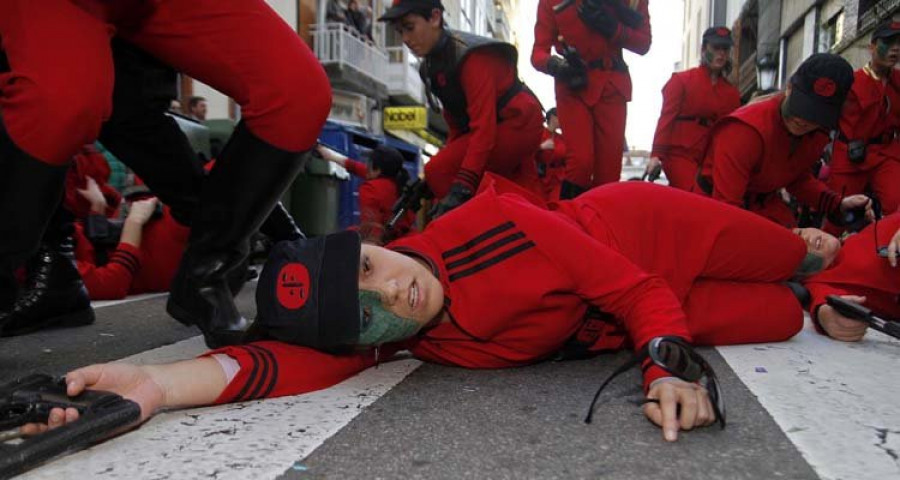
{"x": 59, "y": 89}
{"x": 732, "y": 272}
{"x": 681, "y": 171}
{"x": 595, "y": 137}
{"x": 516, "y": 144}
{"x": 884, "y": 180}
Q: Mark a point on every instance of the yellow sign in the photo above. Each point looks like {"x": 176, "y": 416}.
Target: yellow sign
{"x": 405, "y": 118}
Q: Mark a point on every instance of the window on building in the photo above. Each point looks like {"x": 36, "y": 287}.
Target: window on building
{"x": 830, "y": 33}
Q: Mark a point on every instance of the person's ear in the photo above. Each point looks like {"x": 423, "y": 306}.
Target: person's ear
{"x": 437, "y": 17}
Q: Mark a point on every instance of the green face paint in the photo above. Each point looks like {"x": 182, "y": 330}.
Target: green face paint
{"x": 708, "y": 55}
{"x": 812, "y": 263}
{"x": 378, "y": 325}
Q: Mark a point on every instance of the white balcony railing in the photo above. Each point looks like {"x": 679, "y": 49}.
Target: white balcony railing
{"x": 403, "y": 74}
{"x": 338, "y": 44}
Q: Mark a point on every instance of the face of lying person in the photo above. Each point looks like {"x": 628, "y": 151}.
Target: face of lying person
{"x": 406, "y": 285}
{"x": 820, "y": 243}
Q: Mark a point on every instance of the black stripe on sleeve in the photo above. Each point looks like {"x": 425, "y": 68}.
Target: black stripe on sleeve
{"x": 493, "y": 261}
{"x": 480, "y": 238}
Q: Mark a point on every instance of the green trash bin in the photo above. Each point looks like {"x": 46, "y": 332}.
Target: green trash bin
{"x": 314, "y": 197}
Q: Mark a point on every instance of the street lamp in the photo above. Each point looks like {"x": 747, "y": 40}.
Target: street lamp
{"x": 766, "y": 72}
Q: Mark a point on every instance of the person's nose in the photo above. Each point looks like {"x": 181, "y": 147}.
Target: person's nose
{"x": 390, "y": 292}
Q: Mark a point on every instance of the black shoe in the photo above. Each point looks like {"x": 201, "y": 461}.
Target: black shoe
{"x": 54, "y": 294}
{"x": 242, "y": 189}
{"x": 801, "y": 293}
{"x": 569, "y": 190}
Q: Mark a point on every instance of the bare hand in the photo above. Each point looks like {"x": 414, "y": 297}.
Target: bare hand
{"x": 893, "y": 248}
{"x": 331, "y": 155}
{"x": 856, "y": 201}
{"x": 840, "y": 327}
{"x": 548, "y": 144}
{"x": 132, "y": 382}
{"x": 696, "y": 410}
{"x": 94, "y": 196}
{"x": 652, "y": 164}
{"x": 140, "y": 211}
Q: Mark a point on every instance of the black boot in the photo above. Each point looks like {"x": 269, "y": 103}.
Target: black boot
{"x": 30, "y": 191}
{"x": 279, "y": 225}
{"x": 248, "y": 180}
{"x": 54, "y": 294}
{"x": 569, "y": 190}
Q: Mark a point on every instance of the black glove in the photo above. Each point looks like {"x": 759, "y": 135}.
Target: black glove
{"x": 573, "y": 76}
{"x": 627, "y": 15}
{"x": 599, "y": 16}
{"x": 458, "y": 195}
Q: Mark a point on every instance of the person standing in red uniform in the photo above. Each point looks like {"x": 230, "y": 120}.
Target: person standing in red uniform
{"x": 58, "y": 92}
{"x": 859, "y": 274}
{"x": 773, "y": 144}
{"x": 503, "y": 282}
{"x": 867, "y": 151}
{"x": 551, "y": 158}
{"x": 592, "y": 81}
{"x": 692, "y": 102}
{"x": 385, "y": 179}
{"x": 495, "y": 121}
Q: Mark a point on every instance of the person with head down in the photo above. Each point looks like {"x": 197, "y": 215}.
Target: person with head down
{"x": 494, "y": 120}
{"x": 773, "y": 144}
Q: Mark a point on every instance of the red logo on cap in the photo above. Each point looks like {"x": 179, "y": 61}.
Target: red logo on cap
{"x": 396, "y": 2}
{"x": 292, "y": 288}
{"x": 895, "y": 25}
{"x": 824, "y": 87}
{"x": 722, "y": 32}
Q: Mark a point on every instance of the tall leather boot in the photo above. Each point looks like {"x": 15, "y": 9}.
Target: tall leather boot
{"x": 569, "y": 190}
{"x": 54, "y": 294}
{"x": 248, "y": 180}
{"x": 30, "y": 191}
{"x": 280, "y": 225}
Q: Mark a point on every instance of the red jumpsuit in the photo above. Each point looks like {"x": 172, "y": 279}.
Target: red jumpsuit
{"x": 858, "y": 270}
{"x": 133, "y": 270}
{"x": 505, "y": 147}
{"x": 59, "y": 89}
{"x": 518, "y": 279}
{"x": 751, "y": 155}
{"x": 867, "y": 117}
{"x": 553, "y": 163}
{"x": 691, "y": 105}
{"x": 376, "y": 203}
{"x": 592, "y": 119}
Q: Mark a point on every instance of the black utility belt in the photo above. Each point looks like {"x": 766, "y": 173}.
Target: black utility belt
{"x": 702, "y": 121}
{"x": 608, "y": 64}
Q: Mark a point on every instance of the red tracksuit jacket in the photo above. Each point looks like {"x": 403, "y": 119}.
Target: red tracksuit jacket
{"x": 131, "y": 270}
{"x": 859, "y": 271}
{"x": 752, "y": 155}
{"x": 518, "y": 279}
{"x": 867, "y": 114}
{"x": 691, "y": 105}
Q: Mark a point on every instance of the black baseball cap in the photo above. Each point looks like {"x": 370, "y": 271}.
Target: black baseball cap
{"x": 308, "y": 292}
{"x": 818, "y": 89}
{"x": 401, "y": 8}
{"x": 886, "y": 29}
{"x": 718, "y": 37}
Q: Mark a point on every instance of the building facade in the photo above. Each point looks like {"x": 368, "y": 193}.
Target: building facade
{"x": 369, "y": 74}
